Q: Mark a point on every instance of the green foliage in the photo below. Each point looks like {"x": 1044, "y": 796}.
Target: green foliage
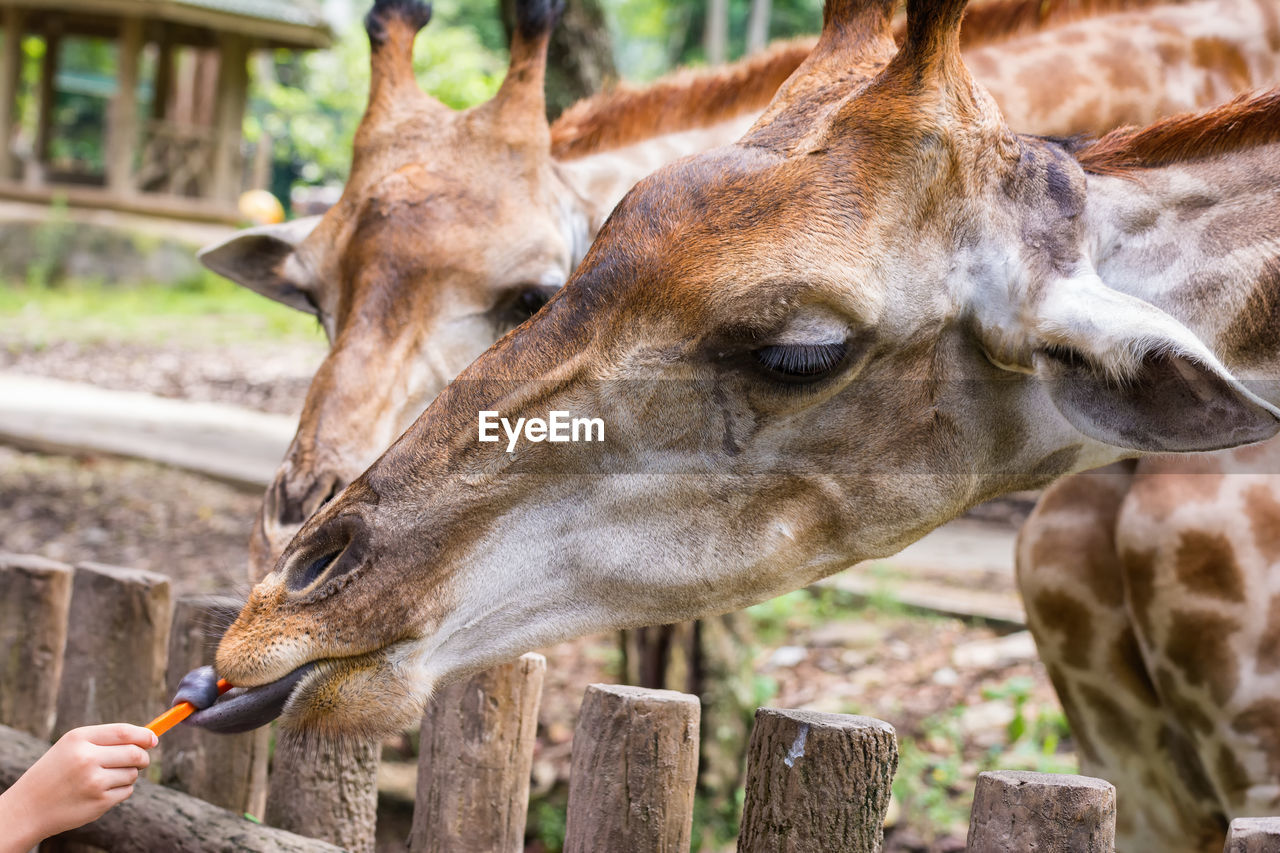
{"x": 772, "y": 620}
{"x": 312, "y": 103}
{"x": 205, "y": 307}
{"x": 883, "y": 598}
{"x": 50, "y": 239}
{"x": 654, "y": 36}
{"x": 931, "y": 787}
{"x": 1032, "y": 741}
{"x": 86, "y": 82}
{"x": 546, "y": 823}
{"x": 715, "y": 824}
{"x": 936, "y": 773}
{"x": 482, "y": 19}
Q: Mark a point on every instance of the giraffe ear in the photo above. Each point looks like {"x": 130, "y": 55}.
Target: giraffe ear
{"x": 262, "y": 259}
{"x": 1127, "y": 374}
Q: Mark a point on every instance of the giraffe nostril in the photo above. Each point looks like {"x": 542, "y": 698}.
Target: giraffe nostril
{"x": 293, "y": 500}
{"x": 336, "y": 547}
{"x": 334, "y": 487}
{"x": 315, "y": 569}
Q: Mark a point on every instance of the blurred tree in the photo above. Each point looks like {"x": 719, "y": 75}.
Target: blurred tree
{"x": 580, "y": 57}
{"x": 758, "y": 25}
{"x": 653, "y": 36}
{"x": 715, "y": 31}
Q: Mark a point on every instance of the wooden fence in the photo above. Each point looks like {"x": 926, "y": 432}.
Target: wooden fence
{"x": 96, "y": 644}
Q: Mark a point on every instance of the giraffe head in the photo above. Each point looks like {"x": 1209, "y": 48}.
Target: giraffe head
{"x": 807, "y": 349}
{"x": 453, "y": 228}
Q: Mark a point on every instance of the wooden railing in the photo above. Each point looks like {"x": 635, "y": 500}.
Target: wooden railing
{"x": 177, "y": 159}
{"x": 95, "y": 644}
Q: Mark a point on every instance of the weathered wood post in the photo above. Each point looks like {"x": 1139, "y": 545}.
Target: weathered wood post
{"x": 817, "y": 783}
{"x": 117, "y": 644}
{"x": 49, "y": 66}
{"x": 326, "y": 791}
{"x": 114, "y": 666}
{"x": 712, "y": 659}
{"x": 14, "y": 22}
{"x": 634, "y": 768}
{"x": 226, "y": 770}
{"x": 1253, "y": 835}
{"x": 232, "y": 91}
{"x": 122, "y": 125}
{"x": 35, "y": 594}
{"x": 156, "y": 818}
{"x": 1046, "y": 812}
{"x": 474, "y": 761}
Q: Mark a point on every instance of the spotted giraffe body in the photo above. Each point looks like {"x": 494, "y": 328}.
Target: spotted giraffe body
{"x": 1148, "y": 584}
{"x": 1134, "y": 67}
{"x": 1152, "y": 591}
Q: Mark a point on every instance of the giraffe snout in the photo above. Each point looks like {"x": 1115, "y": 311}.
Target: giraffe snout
{"x": 290, "y": 501}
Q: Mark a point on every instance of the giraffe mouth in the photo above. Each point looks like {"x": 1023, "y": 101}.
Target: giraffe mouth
{"x": 240, "y": 709}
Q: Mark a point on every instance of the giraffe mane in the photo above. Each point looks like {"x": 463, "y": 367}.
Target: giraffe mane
{"x": 1250, "y": 120}
{"x": 684, "y": 100}
{"x": 997, "y": 20}
{"x": 695, "y": 98}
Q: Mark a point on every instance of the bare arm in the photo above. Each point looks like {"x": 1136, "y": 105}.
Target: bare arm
{"x": 84, "y": 774}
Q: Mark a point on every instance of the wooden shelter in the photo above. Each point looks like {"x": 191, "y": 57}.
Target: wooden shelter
{"x": 171, "y": 140}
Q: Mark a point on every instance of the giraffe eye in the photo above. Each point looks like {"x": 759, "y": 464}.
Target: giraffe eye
{"x": 531, "y": 301}
{"x": 802, "y": 362}
{"x": 527, "y": 301}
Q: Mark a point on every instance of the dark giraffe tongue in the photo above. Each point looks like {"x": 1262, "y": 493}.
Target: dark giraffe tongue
{"x": 240, "y": 709}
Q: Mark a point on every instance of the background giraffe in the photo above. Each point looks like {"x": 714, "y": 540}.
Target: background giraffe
{"x": 1147, "y": 587}
{"x": 1151, "y": 590}
{"x": 1133, "y": 67}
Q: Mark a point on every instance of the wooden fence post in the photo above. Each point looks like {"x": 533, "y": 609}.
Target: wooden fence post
{"x": 117, "y": 643}
{"x": 326, "y": 791}
{"x": 35, "y": 594}
{"x": 226, "y": 770}
{"x": 817, "y": 783}
{"x": 1253, "y": 835}
{"x": 474, "y": 761}
{"x": 113, "y": 669}
{"x": 157, "y": 818}
{"x": 1046, "y": 812}
{"x": 634, "y": 768}
{"x": 712, "y": 659}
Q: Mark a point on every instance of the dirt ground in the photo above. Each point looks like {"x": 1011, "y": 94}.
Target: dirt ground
{"x": 964, "y": 697}
{"x": 268, "y": 376}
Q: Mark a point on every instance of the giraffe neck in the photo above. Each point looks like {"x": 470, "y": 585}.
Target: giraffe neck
{"x": 1201, "y": 241}
{"x": 598, "y": 182}
{"x": 1132, "y": 68}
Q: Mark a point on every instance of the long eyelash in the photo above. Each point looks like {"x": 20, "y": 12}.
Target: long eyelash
{"x": 802, "y": 359}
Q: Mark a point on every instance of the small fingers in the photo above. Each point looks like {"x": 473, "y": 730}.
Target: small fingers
{"x": 122, "y": 756}
{"x": 111, "y": 778}
{"x": 113, "y": 734}
{"x": 115, "y": 796}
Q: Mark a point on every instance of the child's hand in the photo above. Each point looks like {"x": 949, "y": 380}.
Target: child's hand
{"x": 86, "y": 772}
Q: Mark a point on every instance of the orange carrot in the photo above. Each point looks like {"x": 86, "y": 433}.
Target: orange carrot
{"x": 180, "y": 712}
